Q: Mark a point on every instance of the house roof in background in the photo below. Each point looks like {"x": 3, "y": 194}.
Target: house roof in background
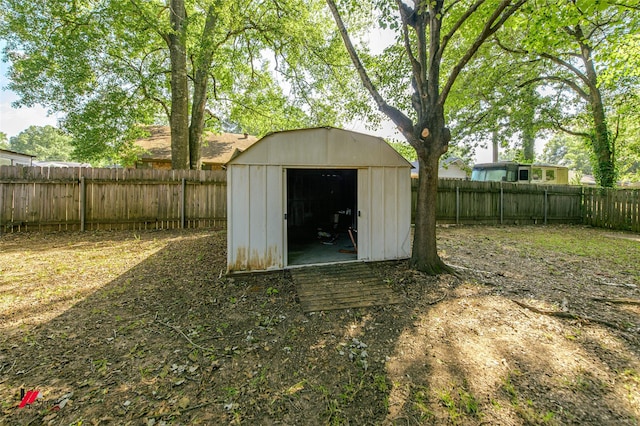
{"x": 446, "y": 162}
{"x": 70, "y": 164}
{"x": 216, "y": 148}
{"x": 8, "y": 151}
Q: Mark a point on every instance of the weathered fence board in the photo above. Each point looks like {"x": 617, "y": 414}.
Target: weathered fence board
{"x": 612, "y": 208}
{"x": 469, "y": 202}
{"x": 33, "y": 198}
{"x": 77, "y": 199}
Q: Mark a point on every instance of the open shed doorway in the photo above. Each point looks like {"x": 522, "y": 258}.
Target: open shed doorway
{"x": 322, "y": 208}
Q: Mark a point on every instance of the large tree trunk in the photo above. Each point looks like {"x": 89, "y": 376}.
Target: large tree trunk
{"x": 424, "y": 255}
{"x": 197, "y": 118}
{"x": 604, "y": 169}
{"x": 528, "y": 130}
{"x": 179, "y": 88}
{"x": 601, "y": 140}
{"x": 200, "y": 85}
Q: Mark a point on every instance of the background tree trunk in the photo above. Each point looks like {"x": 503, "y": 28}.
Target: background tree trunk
{"x": 604, "y": 168}
{"x": 197, "y": 118}
{"x": 200, "y": 85}
{"x": 528, "y": 126}
{"x": 179, "y": 88}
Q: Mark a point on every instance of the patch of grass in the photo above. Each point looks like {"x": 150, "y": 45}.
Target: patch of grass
{"x": 468, "y": 403}
{"x": 421, "y": 403}
{"x": 575, "y": 242}
{"x": 380, "y": 383}
{"x": 509, "y": 388}
{"x": 631, "y": 383}
{"x": 531, "y": 416}
{"x": 446, "y": 398}
{"x": 526, "y": 410}
{"x": 231, "y": 391}
{"x": 222, "y": 328}
{"x": 460, "y": 403}
{"x": 100, "y": 365}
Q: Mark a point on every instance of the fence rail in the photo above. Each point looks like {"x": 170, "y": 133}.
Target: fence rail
{"x": 467, "y": 202}
{"x": 34, "y": 198}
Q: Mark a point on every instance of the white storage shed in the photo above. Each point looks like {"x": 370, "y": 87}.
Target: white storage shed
{"x": 317, "y": 196}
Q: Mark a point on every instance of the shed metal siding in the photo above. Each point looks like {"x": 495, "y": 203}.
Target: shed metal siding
{"x": 322, "y": 148}
{"x": 255, "y": 224}
{"x": 364, "y": 214}
{"x": 390, "y": 217}
{"x": 257, "y": 197}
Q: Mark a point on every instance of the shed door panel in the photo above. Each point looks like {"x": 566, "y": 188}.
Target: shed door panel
{"x": 255, "y": 218}
{"x": 390, "y": 218}
{"x": 238, "y": 218}
{"x": 275, "y": 218}
{"x": 378, "y": 211}
{"x": 265, "y": 218}
{"x": 364, "y": 209}
{"x": 404, "y": 213}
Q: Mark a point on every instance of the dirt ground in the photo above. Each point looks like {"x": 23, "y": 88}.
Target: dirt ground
{"x": 540, "y": 326}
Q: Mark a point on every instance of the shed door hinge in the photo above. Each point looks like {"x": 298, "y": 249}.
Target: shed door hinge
{"x": 285, "y": 216}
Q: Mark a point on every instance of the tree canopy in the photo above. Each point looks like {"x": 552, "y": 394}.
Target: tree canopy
{"x": 4, "y": 142}
{"x": 110, "y": 66}
{"x": 46, "y": 143}
{"x": 567, "y": 66}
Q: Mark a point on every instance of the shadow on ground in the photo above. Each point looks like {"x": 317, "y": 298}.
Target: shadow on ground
{"x": 172, "y": 341}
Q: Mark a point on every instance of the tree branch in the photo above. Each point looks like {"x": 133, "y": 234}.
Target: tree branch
{"x": 457, "y": 25}
{"x": 584, "y": 95}
{"x": 560, "y": 127}
{"x": 566, "y": 65}
{"x": 495, "y": 21}
{"x": 415, "y": 65}
{"x": 401, "y": 120}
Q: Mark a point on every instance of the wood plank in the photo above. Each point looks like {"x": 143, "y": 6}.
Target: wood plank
{"x": 345, "y": 286}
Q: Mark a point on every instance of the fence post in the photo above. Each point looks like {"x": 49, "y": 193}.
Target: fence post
{"x": 546, "y": 195}
{"x": 83, "y": 203}
{"x": 457, "y": 205}
{"x": 501, "y": 204}
{"x": 183, "y": 201}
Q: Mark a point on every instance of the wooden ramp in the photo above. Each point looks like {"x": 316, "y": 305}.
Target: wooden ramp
{"x": 341, "y": 286}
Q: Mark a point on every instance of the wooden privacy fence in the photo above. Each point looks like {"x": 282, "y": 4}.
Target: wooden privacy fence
{"x": 33, "y": 198}
{"x": 467, "y": 202}
{"x": 612, "y": 208}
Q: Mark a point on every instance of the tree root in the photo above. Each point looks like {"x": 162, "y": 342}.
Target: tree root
{"x": 620, "y": 301}
{"x": 568, "y": 315}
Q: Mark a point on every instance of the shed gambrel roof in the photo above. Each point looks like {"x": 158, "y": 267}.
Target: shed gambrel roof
{"x": 321, "y": 147}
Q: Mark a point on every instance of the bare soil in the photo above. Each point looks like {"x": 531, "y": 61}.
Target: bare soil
{"x": 540, "y": 326}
